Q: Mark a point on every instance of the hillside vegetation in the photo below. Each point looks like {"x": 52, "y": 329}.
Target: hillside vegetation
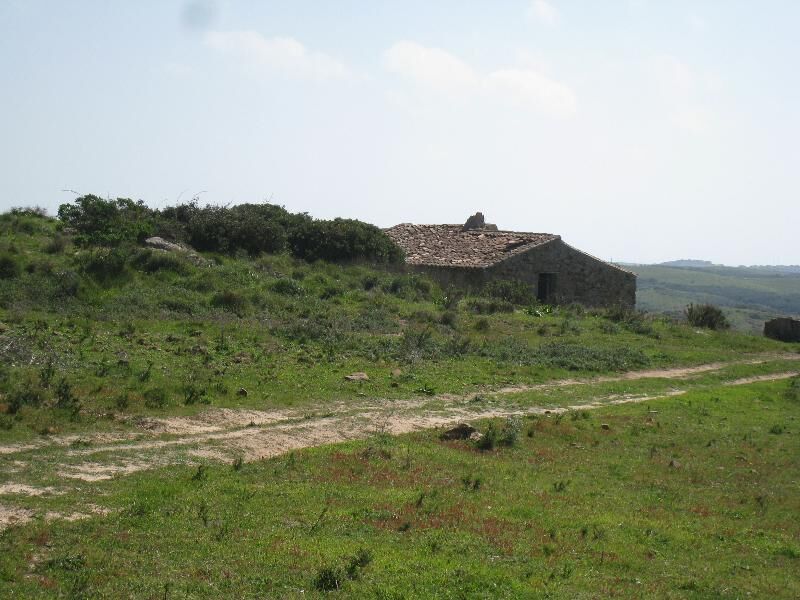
{"x": 94, "y": 330}
{"x": 245, "y": 422}
{"x": 749, "y": 296}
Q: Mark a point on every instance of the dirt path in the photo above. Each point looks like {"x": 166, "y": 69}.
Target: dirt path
{"x": 227, "y": 434}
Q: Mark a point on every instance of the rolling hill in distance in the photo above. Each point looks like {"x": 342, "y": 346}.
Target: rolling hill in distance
{"x": 749, "y": 295}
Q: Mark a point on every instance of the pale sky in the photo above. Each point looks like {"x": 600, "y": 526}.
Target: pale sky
{"x": 638, "y": 130}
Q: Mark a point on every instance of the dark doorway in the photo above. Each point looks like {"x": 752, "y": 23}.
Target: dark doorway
{"x": 546, "y": 288}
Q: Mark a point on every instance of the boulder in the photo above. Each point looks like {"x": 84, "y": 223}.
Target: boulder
{"x": 360, "y": 376}
{"x": 462, "y": 431}
{"x": 159, "y": 243}
{"x": 783, "y": 329}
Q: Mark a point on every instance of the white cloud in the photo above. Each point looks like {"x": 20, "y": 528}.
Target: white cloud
{"x": 429, "y": 66}
{"x": 278, "y": 54}
{"x": 443, "y": 72}
{"x": 544, "y": 12}
{"x": 529, "y": 88}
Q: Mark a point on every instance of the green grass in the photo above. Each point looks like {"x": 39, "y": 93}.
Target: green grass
{"x": 684, "y": 497}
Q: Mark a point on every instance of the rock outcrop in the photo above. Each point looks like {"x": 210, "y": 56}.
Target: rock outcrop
{"x": 783, "y": 329}
{"x": 159, "y": 243}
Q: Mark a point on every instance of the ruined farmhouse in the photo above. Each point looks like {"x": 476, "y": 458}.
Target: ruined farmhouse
{"x": 470, "y": 255}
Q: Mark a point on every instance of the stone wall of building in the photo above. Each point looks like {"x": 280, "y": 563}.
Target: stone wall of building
{"x": 578, "y": 276}
{"x": 464, "y": 278}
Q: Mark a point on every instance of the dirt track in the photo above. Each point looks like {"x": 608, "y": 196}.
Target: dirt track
{"x": 224, "y": 434}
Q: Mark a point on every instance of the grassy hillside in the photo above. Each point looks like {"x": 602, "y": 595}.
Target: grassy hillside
{"x": 175, "y": 426}
{"x": 96, "y": 331}
{"x": 749, "y": 295}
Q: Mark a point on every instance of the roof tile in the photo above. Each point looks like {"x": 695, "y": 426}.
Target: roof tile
{"x": 453, "y": 246}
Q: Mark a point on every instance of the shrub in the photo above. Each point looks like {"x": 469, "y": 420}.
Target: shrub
{"x": 328, "y": 579}
{"x": 449, "y": 300}
{"x": 287, "y": 287}
{"x": 64, "y": 396}
{"x": 707, "y": 316}
{"x": 194, "y": 394}
{"x": 28, "y": 395}
{"x": 56, "y": 245}
{"x": 104, "y": 264}
{"x": 107, "y": 222}
{"x": 357, "y": 563}
{"x": 509, "y": 435}
{"x": 482, "y": 325}
{"x": 152, "y": 261}
{"x": 585, "y": 358}
{"x": 369, "y": 282}
{"x": 341, "y": 240}
{"x": 793, "y": 391}
{"x": 486, "y": 306}
{"x": 410, "y": 287}
{"x": 231, "y": 301}
{"x": 633, "y": 320}
{"x": 253, "y": 228}
{"x": 155, "y": 398}
{"x": 511, "y": 291}
{"x": 67, "y": 284}
{"x": 9, "y": 267}
{"x": 449, "y": 318}
{"x": 456, "y": 346}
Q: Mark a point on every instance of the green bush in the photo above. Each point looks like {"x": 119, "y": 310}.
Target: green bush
{"x": 489, "y": 306}
{"x": 254, "y": 228}
{"x": 246, "y": 228}
{"x": 410, "y": 287}
{"x": 231, "y": 301}
{"x": 341, "y": 240}
{"x": 482, "y": 325}
{"x": 25, "y": 395}
{"x": 707, "y": 316}
{"x": 66, "y": 284}
{"x": 104, "y": 264}
{"x": 287, "y": 287}
{"x": 9, "y": 267}
{"x": 152, "y": 261}
{"x": 100, "y": 222}
{"x": 56, "y": 245}
{"x": 507, "y": 436}
{"x": 156, "y": 398}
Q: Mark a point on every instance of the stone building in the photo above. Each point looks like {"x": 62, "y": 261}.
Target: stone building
{"x": 467, "y": 256}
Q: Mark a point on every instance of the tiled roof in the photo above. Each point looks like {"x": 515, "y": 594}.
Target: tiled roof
{"x": 452, "y": 246}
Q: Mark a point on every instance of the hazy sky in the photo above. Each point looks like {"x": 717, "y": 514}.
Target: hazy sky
{"x": 639, "y": 130}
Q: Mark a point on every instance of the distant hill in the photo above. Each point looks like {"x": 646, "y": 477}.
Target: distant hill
{"x": 687, "y": 262}
{"x": 749, "y": 295}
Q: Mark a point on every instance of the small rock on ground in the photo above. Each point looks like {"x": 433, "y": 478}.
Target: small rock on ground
{"x": 360, "y": 376}
{"x": 462, "y": 431}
